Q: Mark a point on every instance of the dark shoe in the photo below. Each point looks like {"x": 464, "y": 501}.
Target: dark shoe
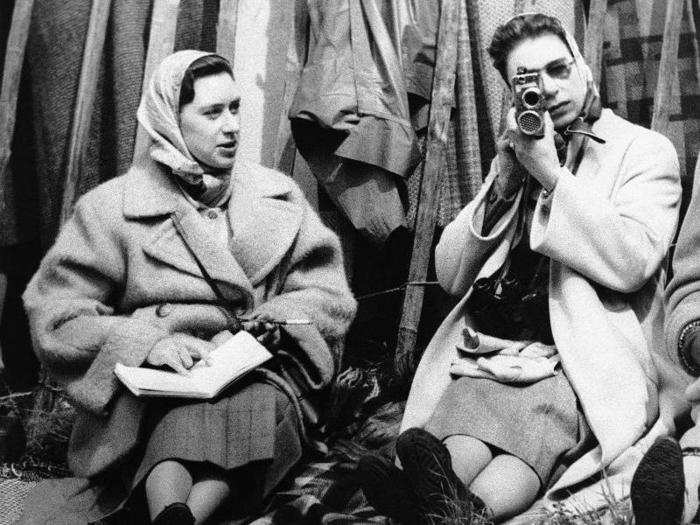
{"x": 428, "y": 465}
{"x": 175, "y": 514}
{"x": 658, "y": 485}
{"x": 387, "y": 489}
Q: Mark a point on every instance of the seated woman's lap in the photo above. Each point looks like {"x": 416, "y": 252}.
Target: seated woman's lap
{"x": 539, "y": 423}
{"x": 252, "y": 425}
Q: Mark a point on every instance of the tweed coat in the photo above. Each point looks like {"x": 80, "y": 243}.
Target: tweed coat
{"x": 606, "y": 231}
{"x": 122, "y": 276}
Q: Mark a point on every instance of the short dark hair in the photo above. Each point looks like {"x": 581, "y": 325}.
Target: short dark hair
{"x": 519, "y": 28}
{"x": 204, "y": 66}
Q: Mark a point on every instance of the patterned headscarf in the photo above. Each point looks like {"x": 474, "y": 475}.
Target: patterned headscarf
{"x": 571, "y": 141}
{"x": 591, "y": 105}
{"x": 159, "y": 114}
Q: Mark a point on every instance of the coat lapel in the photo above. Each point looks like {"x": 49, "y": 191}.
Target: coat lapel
{"x": 152, "y": 193}
{"x": 264, "y": 226}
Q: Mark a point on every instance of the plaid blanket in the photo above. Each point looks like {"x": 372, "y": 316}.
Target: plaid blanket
{"x": 326, "y": 490}
{"x": 323, "y": 492}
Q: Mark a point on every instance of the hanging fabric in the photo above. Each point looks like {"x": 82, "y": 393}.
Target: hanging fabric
{"x": 350, "y": 116}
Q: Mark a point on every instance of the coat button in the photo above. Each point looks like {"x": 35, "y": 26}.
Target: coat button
{"x": 212, "y": 214}
{"x": 163, "y": 309}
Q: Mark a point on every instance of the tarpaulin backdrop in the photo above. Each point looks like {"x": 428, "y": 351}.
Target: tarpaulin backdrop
{"x": 50, "y": 83}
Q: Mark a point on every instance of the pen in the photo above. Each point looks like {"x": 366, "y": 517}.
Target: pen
{"x": 281, "y": 321}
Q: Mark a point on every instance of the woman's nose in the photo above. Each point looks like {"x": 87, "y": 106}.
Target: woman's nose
{"x": 231, "y": 123}
{"x": 548, "y": 85}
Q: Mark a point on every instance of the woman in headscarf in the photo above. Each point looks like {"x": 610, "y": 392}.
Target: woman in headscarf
{"x": 157, "y": 267}
{"x": 558, "y": 259}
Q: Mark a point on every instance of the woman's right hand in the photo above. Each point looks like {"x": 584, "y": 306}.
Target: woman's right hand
{"x": 511, "y": 173}
{"x": 179, "y": 352}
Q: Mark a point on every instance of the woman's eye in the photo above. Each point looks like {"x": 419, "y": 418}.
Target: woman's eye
{"x": 558, "y": 71}
{"x": 212, "y": 114}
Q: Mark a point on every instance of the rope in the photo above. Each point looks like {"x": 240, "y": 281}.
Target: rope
{"x": 396, "y": 289}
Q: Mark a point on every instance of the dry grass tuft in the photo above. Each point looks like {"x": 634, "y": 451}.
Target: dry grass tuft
{"x": 45, "y": 435}
{"x": 614, "y": 512}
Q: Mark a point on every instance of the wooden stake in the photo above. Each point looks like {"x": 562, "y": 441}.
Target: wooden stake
{"x": 161, "y": 42}
{"x": 469, "y": 155}
{"x": 668, "y": 66}
{"x": 507, "y": 97}
{"x": 440, "y": 107}
{"x": 296, "y": 41}
{"x": 12, "y": 73}
{"x": 82, "y": 113}
{"x": 226, "y": 30}
{"x": 593, "y": 43}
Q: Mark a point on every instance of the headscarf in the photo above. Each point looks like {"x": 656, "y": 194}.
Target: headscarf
{"x": 159, "y": 114}
{"x": 580, "y": 128}
{"x": 591, "y": 106}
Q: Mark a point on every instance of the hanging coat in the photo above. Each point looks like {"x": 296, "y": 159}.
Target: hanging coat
{"x": 350, "y": 114}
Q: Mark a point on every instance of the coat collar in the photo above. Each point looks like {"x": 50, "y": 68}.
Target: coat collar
{"x": 151, "y": 191}
{"x": 263, "y": 220}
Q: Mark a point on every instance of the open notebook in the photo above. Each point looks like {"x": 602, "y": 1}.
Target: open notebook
{"x": 229, "y": 361}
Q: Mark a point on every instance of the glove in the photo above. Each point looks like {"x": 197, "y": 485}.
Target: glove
{"x": 476, "y": 343}
{"x": 507, "y": 368}
{"x": 511, "y": 362}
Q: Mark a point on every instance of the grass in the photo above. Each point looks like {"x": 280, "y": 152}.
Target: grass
{"x": 615, "y": 512}
{"x": 40, "y": 441}
{"x": 47, "y": 426}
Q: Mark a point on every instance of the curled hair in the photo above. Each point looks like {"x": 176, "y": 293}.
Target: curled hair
{"x": 519, "y": 28}
{"x": 202, "y": 67}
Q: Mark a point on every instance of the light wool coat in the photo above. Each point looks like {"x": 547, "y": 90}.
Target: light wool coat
{"x": 120, "y": 277}
{"x": 606, "y": 230}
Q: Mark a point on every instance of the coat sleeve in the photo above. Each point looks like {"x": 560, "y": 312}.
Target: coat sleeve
{"x": 462, "y": 250}
{"x": 683, "y": 291}
{"x": 75, "y": 331}
{"x": 618, "y": 242}
{"x": 314, "y": 287}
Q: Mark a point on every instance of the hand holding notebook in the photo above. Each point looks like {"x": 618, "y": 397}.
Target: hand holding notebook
{"x": 229, "y": 361}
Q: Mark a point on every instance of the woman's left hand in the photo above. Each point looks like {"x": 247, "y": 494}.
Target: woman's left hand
{"x": 537, "y": 155}
{"x": 267, "y": 333}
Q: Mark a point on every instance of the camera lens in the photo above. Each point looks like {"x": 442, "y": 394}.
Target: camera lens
{"x": 531, "y": 98}
{"x": 530, "y": 123}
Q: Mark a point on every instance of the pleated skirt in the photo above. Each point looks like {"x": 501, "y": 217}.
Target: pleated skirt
{"x": 250, "y": 432}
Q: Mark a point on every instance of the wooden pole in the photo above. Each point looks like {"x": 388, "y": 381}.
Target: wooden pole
{"x": 161, "y": 42}
{"x": 285, "y": 150}
{"x": 12, "y": 73}
{"x": 440, "y": 107}
{"x": 226, "y": 30}
{"x": 593, "y": 43}
{"x": 469, "y": 157}
{"x": 82, "y": 113}
{"x": 507, "y": 98}
{"x": 668, "y": 66}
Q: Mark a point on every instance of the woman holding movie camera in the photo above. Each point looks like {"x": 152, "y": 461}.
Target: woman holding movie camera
{"x": 542, "y": 376}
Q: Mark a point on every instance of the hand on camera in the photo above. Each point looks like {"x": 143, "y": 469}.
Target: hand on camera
{"x": 537, "y": 155}
{"x": 179, "y": 352}
{"x": 511, "y": 174}
{"x": 267, "y": 333}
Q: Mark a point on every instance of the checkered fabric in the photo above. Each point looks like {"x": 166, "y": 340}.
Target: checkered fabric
{"x": 324, "y": 492}
{"x": 631, "y": 52}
